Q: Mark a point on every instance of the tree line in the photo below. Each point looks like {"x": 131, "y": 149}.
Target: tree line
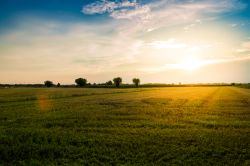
{"x": 110, "y": 84}
{"x": 81, "y": 82}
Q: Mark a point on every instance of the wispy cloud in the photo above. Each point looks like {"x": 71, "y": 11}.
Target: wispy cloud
{"x": 173, "y": 12}
{"x": 163, "y": 13}
{"x": 245, "y": 48}
{"x": 118, "y": 10}
{"x": 140, "y": 12}
{"x": 89, "y": 49}
{"x": 161, "y": 7}
{"x": 103, "y": 6}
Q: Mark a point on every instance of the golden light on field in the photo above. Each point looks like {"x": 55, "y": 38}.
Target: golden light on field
{"x": 43, "y": 103}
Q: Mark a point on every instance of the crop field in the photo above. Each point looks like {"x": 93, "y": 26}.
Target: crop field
{"x": 134, "y": 126}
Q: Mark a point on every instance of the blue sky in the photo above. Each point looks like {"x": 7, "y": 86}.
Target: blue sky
{"x": 164, "y": 41}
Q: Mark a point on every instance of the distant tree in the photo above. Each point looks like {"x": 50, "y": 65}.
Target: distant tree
{"x": 136, "y": 81}
{"x": 81, "y": 81}
{"x": 58, "y": 84}
{"x": 109, "y": 82}
{"x": 48, "y": 83}
{"x": 117, "y": 81}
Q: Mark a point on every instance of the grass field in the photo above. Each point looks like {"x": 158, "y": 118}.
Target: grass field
{"x": 145, "y": 126}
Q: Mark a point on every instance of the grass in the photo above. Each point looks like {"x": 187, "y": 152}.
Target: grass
{"x": 146, "y": 126}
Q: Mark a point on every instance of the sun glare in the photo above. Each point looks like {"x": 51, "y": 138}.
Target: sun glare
{"x": 191, "y": 64}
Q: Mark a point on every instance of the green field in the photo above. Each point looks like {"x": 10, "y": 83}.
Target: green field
{"x": 144, "y": 126}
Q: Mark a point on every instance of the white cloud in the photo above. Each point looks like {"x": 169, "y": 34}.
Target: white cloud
{"x": 162, "y": 13}
{"x": 234, "y": 25}
{"x": 188, "y": 27}
{"x": 103, "y": 6}
{"x": 172, "y": 12}
{"x": 99, "y": 7}
{"x": 245, "y": 47}
{"x": 141, "y": 12}
{"x": 118, "y": 10}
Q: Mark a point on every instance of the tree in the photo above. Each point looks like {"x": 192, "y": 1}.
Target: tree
{"x": 109, "y": 83}
{"x": 136, "y": 81}
{"x": 117, "y": 81}
{"x": 48, "y": 83}
{"x": 81, "y": 81}
{"x": 58, "y": 84}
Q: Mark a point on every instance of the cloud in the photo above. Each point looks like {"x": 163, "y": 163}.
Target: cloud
{"x": 152, "y": 15}
{"x": 245, "y": 48}
{"x": 140, "y": 12}
{"x": 175, "y": 12}
{"x": 83, "y": 48}
{"x": 118, "y": 10}
{"x": 104, "y": 6}
{"x": 234, "y": 25}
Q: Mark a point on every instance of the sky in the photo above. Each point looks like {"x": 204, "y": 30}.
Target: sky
{"x": 158, "y": 41}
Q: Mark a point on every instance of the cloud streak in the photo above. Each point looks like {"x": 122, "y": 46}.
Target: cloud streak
{"x": 104, "y": 6}
{"x": 245, "y": 48}
{"x": 140, "y": 12}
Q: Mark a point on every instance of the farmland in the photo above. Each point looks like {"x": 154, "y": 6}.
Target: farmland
{"x": 133, "y": 126}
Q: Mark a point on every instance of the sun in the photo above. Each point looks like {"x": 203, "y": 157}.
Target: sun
{"x": 190, "y": 64}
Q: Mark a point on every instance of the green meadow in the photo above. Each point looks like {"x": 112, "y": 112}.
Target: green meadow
{"x": 133, "y": 126}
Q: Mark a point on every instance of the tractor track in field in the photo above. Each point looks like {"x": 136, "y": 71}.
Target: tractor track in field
{"x": 207, "y": 103}
{"x": 245, "y": 96}
{"x": 209, "y": 99}
{"x": 215, "y": 103}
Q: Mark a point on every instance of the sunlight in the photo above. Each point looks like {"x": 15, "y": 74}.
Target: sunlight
{"x": 191, "y": 64}
{"x": 43, "y": 103}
